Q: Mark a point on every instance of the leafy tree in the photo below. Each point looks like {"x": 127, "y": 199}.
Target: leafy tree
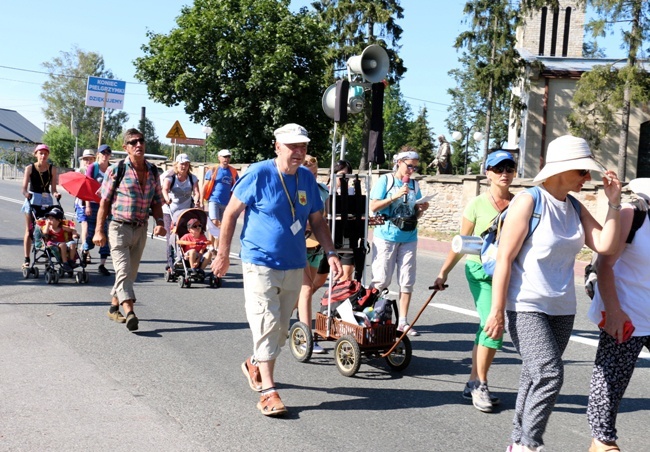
{"x": 489, "y": 45}
{"x": 420, "y": 137}
{"x": 243, "y": 66}
{"x": 397, "y": 119}
{"x": 64, "y": 94}
{"x": 605, "y": 92}
{"x": 61, "y": 143}
{"x": 153, "y": 144}
{"x": 355, "y": 24}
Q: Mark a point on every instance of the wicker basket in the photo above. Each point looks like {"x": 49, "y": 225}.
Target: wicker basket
{"x": 375, "y": 336}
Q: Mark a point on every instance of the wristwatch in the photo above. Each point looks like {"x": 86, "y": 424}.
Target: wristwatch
{"x": 160, "y": 220}
{"x": 332, "y": 253}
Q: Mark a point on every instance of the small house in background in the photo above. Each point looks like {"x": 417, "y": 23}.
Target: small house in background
{"x": 18, "y": 132}
{"x": 551, "y": 43}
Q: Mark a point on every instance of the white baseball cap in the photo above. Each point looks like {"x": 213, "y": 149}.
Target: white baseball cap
{"x": 291, "y": 133}
{"x": 182, "y": 158}
{"x": 224, "y": 153}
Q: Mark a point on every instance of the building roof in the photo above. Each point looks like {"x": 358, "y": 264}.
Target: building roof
{"x": 14, "y": 127}
{"x": 565, "y": 65}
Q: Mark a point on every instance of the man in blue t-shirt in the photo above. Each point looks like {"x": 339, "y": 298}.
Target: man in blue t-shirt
{"x": 224, "y": 180}
{"x": 278, "y": 197}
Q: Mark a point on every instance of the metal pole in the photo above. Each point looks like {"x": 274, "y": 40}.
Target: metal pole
{"x": 466, "y": 148}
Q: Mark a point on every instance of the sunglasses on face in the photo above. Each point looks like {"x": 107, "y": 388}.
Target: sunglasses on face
{"x": 583, "y": 172}
{"x": 501, "y": 168}
{"x": 196, "y": 226}
{"x": 135, "y": 141}
{"x": 411, "y": 167}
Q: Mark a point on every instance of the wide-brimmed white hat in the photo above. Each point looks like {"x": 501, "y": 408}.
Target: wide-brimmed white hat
{"x": 640, "y": 187}
{"x": 568, "y": 153}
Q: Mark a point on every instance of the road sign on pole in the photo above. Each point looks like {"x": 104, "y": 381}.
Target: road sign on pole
{"x": 105, "y": 93}
{"x": 176, "y": 131}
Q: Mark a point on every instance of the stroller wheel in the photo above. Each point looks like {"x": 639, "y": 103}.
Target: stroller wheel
{"x": 77, "y": 278}
{"x": 348, "y": 355}
{"x": 168, "y": 276}
{"x": 301, "y": 342}
{"x": 35, "y": 271}
{"x": 49, "y": 276}
{"x": 181, "y": 282}
{"x": 400, "y": 358}
{"x": 61, "y": 271}
{"x": 56, "y": 278}
{"x": 26, "y": 272}
{"x": 85, "y": 277}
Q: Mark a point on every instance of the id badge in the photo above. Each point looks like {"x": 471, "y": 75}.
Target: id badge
{"x": 296, "y": 227}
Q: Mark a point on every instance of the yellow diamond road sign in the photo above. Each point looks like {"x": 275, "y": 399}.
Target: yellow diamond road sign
{"x": 176, "y": 131}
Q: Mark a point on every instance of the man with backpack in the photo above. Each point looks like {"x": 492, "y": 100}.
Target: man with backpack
{"x": 218, "y": 185}
{"x": 129, "y": 189}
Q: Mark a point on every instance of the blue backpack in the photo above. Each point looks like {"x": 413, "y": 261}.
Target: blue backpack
{"x": 492, "y": 234}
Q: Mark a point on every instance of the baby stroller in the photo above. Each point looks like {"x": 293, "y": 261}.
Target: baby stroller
{"x": 50, "y": 254}
{"x": 181, "y": 270}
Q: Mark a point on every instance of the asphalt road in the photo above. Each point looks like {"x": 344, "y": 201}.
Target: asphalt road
{"x": 73, "y": 380}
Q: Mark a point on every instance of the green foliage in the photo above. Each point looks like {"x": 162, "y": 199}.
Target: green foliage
{"x": 599, "y": 98}
{"x": 490, "y": 69}
{"x": 61, "y": 144}
{"x": 420, "y": 137}
{"x": 355, "y": 24}
{"x": 153, "y": 144}
{"x": 245, "y": 67}
{"x": 397, "y": 119}
{"x": 64, "y": 94}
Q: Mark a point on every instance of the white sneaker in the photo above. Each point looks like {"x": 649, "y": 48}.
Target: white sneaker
{"x": 318, "y": 349}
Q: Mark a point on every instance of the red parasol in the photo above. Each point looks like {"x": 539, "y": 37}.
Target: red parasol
{"x": 80, "y": 185}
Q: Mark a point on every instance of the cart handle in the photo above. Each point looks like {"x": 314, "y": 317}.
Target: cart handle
{"x": 426, "y": 303}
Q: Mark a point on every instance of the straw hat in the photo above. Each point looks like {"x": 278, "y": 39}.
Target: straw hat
{"x": 568, "y": 153}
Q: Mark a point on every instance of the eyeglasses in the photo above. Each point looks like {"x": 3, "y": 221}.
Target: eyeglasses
{"x": 583, "y": 172}
{"x": 196, "y": 226}
{"x": 501, "y": 168}
{"x": 135, "y": 141}
{"x": 310, "y": 162}
{"x": 412, "y": 167}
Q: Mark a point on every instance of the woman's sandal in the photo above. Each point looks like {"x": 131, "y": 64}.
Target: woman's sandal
{"x": 603, "y": 446}
{"x": 271, "y": 405}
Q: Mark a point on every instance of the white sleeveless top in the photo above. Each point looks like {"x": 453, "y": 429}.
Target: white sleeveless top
{"x": 542, "y": 273}
{"x": 632, "y": 283}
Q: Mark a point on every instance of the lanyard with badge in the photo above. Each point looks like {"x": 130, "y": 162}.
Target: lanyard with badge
{"x": 295, "y": 227}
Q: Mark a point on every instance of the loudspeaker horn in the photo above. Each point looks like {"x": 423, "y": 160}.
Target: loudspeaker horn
{"x": 372, "y": 64}
{"x": 354, "y": 104}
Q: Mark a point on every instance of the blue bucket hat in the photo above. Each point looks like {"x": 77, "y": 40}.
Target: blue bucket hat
{"x": 497, "y": 157}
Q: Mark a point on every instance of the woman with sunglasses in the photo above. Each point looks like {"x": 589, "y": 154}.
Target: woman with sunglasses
{"x": 477, "y": 217}
{"x": 394, "y": 243}
{"x": 533, "y": 283}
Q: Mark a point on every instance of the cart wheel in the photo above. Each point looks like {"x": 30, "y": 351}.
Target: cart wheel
{"x": 347, "y": 355}
{"x": 77, "y": 278}
{"x": 26, "y": 272}
{"x": 301, "y": 342}
{"x": 35, "y": 271}
{"x": 86, "y": 277}
{"x": 181, "y": 282}
{"x": 400, "y": 358}
{"x": 49, "y": 276}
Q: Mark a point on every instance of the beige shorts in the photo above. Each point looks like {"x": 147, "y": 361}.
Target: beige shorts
{"x": 270, "y": 299}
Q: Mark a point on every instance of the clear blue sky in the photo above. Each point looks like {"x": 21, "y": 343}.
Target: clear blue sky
{"x": 37, "y": 31}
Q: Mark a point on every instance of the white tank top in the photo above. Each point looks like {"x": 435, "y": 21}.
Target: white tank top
{"x": 542, "y": 273}
{"x": 632, "y": 283}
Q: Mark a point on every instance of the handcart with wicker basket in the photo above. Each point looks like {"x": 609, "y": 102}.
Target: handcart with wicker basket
{"x": 353, "y": 341}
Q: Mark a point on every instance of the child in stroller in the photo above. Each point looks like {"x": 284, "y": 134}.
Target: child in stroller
{"x": 191, "y": 250}
{"x": 57, "y": 234}
{"x": 55, "y": 243}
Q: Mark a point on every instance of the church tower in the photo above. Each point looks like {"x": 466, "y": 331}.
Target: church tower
{"x": 554, "y": 32}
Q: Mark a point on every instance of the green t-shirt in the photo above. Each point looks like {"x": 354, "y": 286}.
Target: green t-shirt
{"x": 481, "y": 212}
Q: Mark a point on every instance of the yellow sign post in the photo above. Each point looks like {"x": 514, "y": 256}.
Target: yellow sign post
{"x": 175, "y": 133}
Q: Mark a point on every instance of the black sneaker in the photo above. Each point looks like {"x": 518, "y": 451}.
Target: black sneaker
{"x": 131, "y": 322}
{"x": 103, "y": 270}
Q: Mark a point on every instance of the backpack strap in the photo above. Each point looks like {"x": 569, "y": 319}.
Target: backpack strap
{"x": 640, "y": 210}
{"x": 119, "y": 175}
{"x": 536, "y": 193}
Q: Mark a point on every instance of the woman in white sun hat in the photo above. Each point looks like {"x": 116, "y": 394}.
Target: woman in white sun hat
{"x": 533, "y": 284}
{"x": 621, "y": 308}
